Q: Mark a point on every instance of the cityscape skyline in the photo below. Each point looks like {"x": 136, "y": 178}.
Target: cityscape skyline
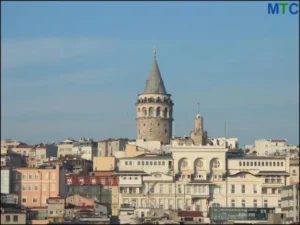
{"x": 82, "y": 78}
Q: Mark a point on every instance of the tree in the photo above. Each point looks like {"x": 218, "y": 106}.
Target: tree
{"x": 254, "y": 152}
{"x": 247, "y": 150}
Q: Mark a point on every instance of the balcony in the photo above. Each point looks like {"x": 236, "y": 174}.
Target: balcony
{"x": 127, "y": 206}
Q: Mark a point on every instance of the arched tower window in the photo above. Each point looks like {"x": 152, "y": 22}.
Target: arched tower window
{"x": 151, "y": 112}
{"x": 145, "y": 99}
{"x": 144, "y": 111}
{"x": 158, "y": 99}
{"x": 165, "y": 112}
{"x": 165, "y": 100}
{"x": 158, "y": 111}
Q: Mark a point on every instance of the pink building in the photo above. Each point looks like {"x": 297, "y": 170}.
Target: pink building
{"x": 34, "y": 186}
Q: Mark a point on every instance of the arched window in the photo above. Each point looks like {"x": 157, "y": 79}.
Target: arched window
{"x": 170, "y": 113}
{"x": 144, "y": 111}
{"x": 158, "y": 99}
{"x": 165, "y": 112}
{"x": 158, "y": 111}
{"x": 215, "y": 163}
{"x": 145, "y": 99}
{"x": 151, "y": 112}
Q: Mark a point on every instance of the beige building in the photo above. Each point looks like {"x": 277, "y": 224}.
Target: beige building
{"x": 255, "y": 181}
{"x": 110, "y": 146}
{"x": 294, "y": 170}
{"x": 56, "y": 209}
{"x": 13, "y": 216}
{"x": 154, "y": 107}
{"x": 65, "y": 147}
{"x": 104, "y": 163}
{"x": 153, "y": 146}
{"x": 131, "y": 151}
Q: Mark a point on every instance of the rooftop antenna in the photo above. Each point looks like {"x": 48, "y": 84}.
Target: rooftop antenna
{"x": 198, "y": 108}
{"x": 154, "y": 51}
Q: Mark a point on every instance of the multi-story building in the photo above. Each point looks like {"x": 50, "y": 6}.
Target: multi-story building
{"x": 65, "y": 147}
{"x": 153, "y": 146}
{"x": 22, "y": 149}
{"x": 290, "y": 202}
{"x": 265, "y": 147}
{"x": 110, "y": 146}
{"x": 13, "y": 216}
{"x": 12, "y": 160}
{"x": 86, "y": 148}
{"x": 56, "y": 209}
{"x": 102, "y": 186}
{"x": 255, "y": 181}
{"x": 44, "y": 152}
{"x": 294, "y": 170}
{"x": 72, "y": 164}
{"x": 230, "y": 143}
{"x": 5, "y": 180}
{"x": 106, "y": 163}
{"x": 35, "y": 185}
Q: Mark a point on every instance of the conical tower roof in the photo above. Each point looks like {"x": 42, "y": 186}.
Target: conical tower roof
{"x": 154, "y": 83}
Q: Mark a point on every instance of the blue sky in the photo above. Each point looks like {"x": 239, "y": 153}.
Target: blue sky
{"x": 72, "y": 69}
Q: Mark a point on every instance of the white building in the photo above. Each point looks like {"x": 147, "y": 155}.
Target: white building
{"x": 265, "y": 147}
{"x": 254, "y": 181}
{"x": 86, "y": 148}
{"x": 290, "y": 202}
{"x": 231, "y": 143}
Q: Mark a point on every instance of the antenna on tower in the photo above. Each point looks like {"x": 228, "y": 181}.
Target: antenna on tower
{"x": 154, "y": 51}
{"x": 198, "y": 108}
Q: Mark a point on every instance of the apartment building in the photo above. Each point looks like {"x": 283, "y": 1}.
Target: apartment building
{"x": 256, "y": 181}
{"x": 110, "y": 146}
{"x": 5, "y": 180}
{"x": 13, "y": 216}
{"x": 106, "y": 163}
{"x": 264, "y": 147}
{"x": 290, "y": 202}
{"x": 99, "y": 185}
{"x": 22, "y": 149}
{"x": 35, "y": 185}
{"x": 65, "y": 147}
{"x": 56, "y": 209}
{"x": 86, "y": 148}
{"x": 294, "y": 170}
{"x": 12, "y": 160}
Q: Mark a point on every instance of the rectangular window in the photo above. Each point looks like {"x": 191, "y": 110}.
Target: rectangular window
{"x": 258, "y": 163}
{"x": 126, "y": 163}
{"x": 24, "y": 200}
{"x": 36, "y": 187}
{"x": 36, "y": 176}
{"x": 7, "y": 218}
{"x": 44, "y": 199}
{"x": 262, "y": 163}
{"x": 139, "y": 163}
{"x": 281, "y": 163}
{"x": 251, "y": 163}
{"x": 232, "y": 203}
{"x": 247, "y": 163}
{"x": 46, "y": 175}
{"x": 44, "y": 188}
{"x": 232, "y": 189}
{"x": 29, "y": 187}
{"x": 188, "y": 189}
{"x": 52, "y": 187}
{"x": 30, "y": 176}
{"x": 279, "y": 203}
{"x": 163, "y": 163}
{"x": 15, "y": 218}
{"x": 265, "y": 203}
{"x": 170, "y": 189}
{"x": 255, "y": 203}
{"x": 243, "y": 203}
{"x": 240, "y": 163}
{"x": 154, "y": 163}
{"x": 159, "y": 163}
{"x": 277, "y": 163}
{"x": 255, "y": 163}
{"x": 161, "y": 188}
{"x": 244, "y": 163}
{"x": 151, "y": 163}
{"x": 24, "y": 176}
{"x": 24, "y": 187}
{"x": 179, "y": 189}
{"x": 255, "y": 188}
{"x": 53, "y": 176}
{"x": 34, "y": 199}
{"x": 243, "y": 188}
{"x": 267, "y": 164}
{"x": 130, "y": 163}
{"x": 274, "y": 163}
{"x": 147, "y": 163}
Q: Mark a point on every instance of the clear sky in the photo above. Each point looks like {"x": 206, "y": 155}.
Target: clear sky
{"x": 72, "y": 69}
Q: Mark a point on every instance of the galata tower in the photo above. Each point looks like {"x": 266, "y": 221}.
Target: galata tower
{"x": 154, "y": 109}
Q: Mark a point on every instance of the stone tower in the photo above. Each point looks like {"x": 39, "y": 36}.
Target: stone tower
{"x": 154, "y": 109}
{"x": 199, "y": 135}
